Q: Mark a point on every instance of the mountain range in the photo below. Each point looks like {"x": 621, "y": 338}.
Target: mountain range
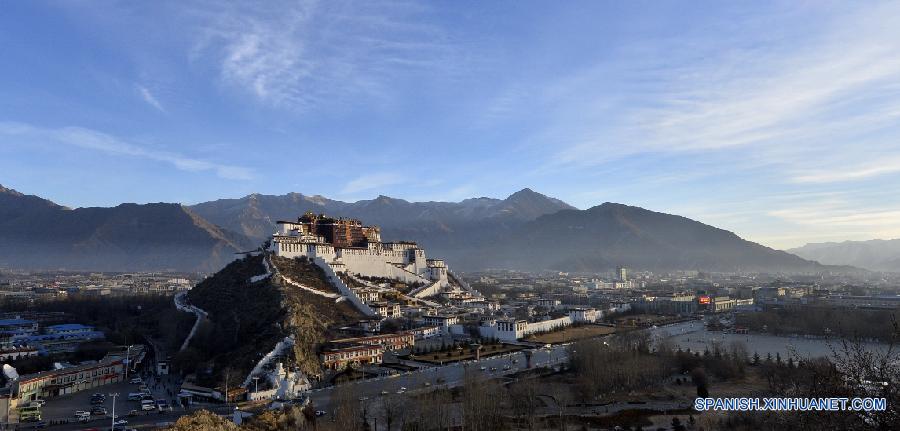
{"x": 875, "y": 255}
{"x": 527, "y": 230}
{"x": 37, "y": 233}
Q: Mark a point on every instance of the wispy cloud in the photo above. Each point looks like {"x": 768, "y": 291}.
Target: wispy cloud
{"x": 371, "y": 182}
{"x": 150, "y": 98}
{"x": 308, "y": 54}
{"x": 807, "y": 106}
{"x": 99, "y": 141}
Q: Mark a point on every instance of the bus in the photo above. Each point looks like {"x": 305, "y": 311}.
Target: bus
{"x": 30, "y": 414}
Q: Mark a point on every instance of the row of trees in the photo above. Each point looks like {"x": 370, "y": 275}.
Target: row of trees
{"x": 824, "y": 321}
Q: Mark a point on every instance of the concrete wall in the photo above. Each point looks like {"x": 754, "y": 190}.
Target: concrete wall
{"x": 343, "y": 288}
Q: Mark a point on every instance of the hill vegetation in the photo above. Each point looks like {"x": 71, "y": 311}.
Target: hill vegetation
{"x": 246, "y": 320}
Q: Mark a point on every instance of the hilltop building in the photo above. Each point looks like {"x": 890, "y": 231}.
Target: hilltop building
{"x": 342, "y": 245}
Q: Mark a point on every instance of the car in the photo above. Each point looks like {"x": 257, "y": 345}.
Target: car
{"x": 427, "y": 384}
{"x": 136, "y": 381}
{"x": 97, "y": 401}
{"x": 133, "y": 413}
{"x": 135, "y": 396}
{"x": 506, "y": 367}
{"x": 81, "y": 413}
{"x": 98, "y": 410}
{"x": 482, "y": 368}
{"x": 120, "y": 422}
{"x": 147, "y": 405}
{"x": 363, "y": 398}
{"x": 384, "y": 392}
{"x": 37, "y": 403}
{"x": 320, "y": 413}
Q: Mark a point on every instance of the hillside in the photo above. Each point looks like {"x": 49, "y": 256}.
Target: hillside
{"x": 875, "y": 255}
{"x": 613, "y": 234}
{"x": 248, "y": 319}
{"x": 36, "y": 233}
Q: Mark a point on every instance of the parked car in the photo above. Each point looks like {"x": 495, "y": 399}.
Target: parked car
{"x": 135, "y": 396}
{"x": 37, "y": 403}
{"x": 98, "y": 410}
{"x": 136, "y": 381}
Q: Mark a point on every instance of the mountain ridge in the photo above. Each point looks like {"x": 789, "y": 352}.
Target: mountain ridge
{"x": 875, "y": 254}
{"x": 526, "y": 230}
{"x": 37, "y": 233}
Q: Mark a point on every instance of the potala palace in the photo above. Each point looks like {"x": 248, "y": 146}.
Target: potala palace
{"x": 345, "y": 248}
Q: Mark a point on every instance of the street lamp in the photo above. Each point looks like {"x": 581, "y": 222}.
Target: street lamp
{"x": 113, "y": 424}
{"x": 256, "y": 383}
{"x": 127, "y": 352}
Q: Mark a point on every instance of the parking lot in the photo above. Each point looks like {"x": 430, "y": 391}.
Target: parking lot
{"x": 62, "y": 409}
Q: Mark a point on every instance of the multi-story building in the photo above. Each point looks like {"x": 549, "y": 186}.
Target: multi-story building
{"x": 339, "y": 357}
{"x": 385, "y": 309}
{"x": 347, "y": 245}
{"x": 69, "y": 380}
{"x": 397, "y": 341}
{"x": 441, "y": 321}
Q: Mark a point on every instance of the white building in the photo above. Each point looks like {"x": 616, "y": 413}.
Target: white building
{"x": 348, "y": 246}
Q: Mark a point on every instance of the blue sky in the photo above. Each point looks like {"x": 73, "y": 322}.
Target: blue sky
{"x": 776, "y": 120}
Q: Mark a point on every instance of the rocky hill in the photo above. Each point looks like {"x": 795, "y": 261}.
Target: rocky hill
{"x": 247, "y": 319}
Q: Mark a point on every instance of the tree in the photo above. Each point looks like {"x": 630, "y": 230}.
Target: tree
{"x": 698, "y": 376}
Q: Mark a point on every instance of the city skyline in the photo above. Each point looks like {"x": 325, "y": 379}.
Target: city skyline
{"x": 775, "y": 120}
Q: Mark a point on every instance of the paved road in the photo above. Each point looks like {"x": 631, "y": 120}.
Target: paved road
{"x": 452, "y": 375}
{"x": 63, "y": 408}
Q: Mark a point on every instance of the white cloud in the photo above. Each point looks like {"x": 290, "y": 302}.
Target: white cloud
{"x": 99, "y": 141}
{"x": 307, "y": 54}
{"x": 801, "y": 104}
{"x": 150, "y": 98}
{"x": 846, "y": 172}
{"x": 371, "y": 181}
